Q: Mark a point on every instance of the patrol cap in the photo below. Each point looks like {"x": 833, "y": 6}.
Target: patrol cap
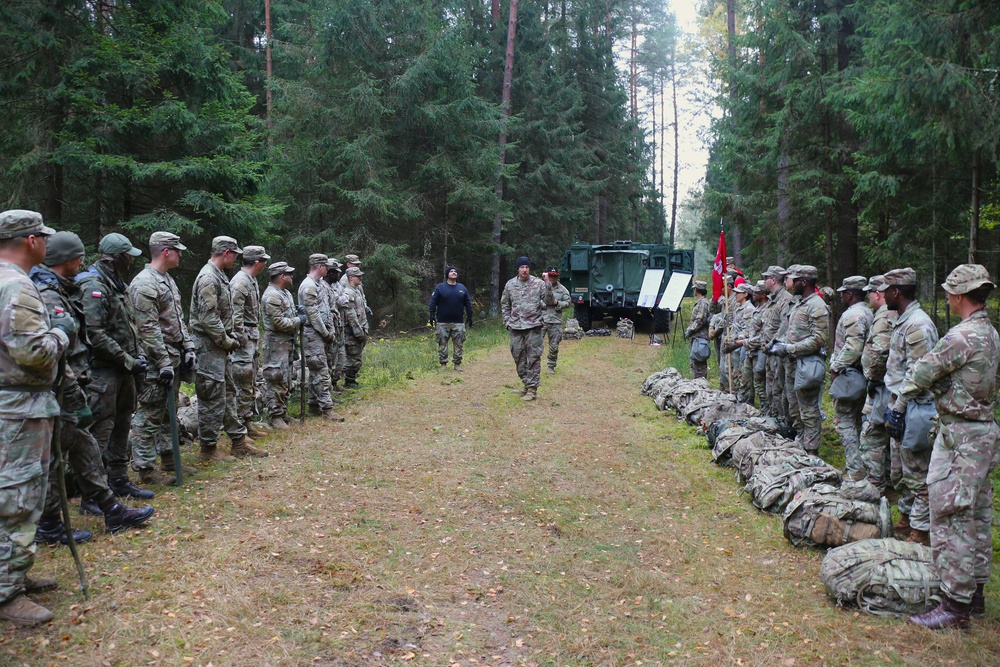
{"x": 332, "y": 263}
{"x": 875, "y": 282}
{"x": 223, "y": 243}
{"x": 62, "y": 247}
{"x": 827, "y": 293}
{"x": 552, "y": 270}
{"x": 117, "y": 244}
{"x": 744, "y": 288}
{"x": 18, "y": 222}
{"x": 278, "y": 268}
{"x": 255, "y": 253}
{"x": 790, "y": 269}
{"x": 853, "y": 282}
{"x": 167, "y": 240}
{"x": 967, "y": 277}
{"x": 730, "y": 259}
{"x": 701, "y": 285}
{"x": 318, "y": 259}
{"x": 803, "y": 271}
{"x": 352, "y": 259}
{"x": 898, "y": 278}
{"x": 774, "y": 271}
{"x": 760, "y": 287}
{"x": 354, "y": 272}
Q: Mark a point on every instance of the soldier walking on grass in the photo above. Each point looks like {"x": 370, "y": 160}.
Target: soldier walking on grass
{"x": 552, "y": 318}
{"x": 449, "y": 302}
{"x": 522, "y": 302}
{"x": 698, "y": 331}
{"x": 962, "y": 369}
{"x": 246, "y": 320}
{"x": 281, "y": 323}
{"x": 873, "y": 444}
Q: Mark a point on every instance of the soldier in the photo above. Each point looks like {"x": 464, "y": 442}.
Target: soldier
{"x": 808, "y": 329}
{"x": 778, "y": 300}
{"x": 29, "y": 357}
{"x": 165, "y": 341}
{"x": 873, "y": 445}
{"x": 314, "y": 302}
{"x": 913, "y": 336}
{"x": 522, "y": 302}
{"x": 281, "y": 323}
{"x": 698, "y": 328}
{"x": 755, "y": 364}
{"x": 350, "y": 262}
{"x": 213, "y": 328}
{"x": 61, "y": 297}
{"x": 962, "y": 369}
{"x": 335, "y": 350}
{"x": 736, "y": 340}
{"x": 449, "y": 302}
{"x": 246, "y": 320}
{"x": 792, "y": 414}
{"x": 354, "y": 310}
{"x": 117, "y": 361}
{"x": 849, "y": 343}
{"x": 552, "y": 316}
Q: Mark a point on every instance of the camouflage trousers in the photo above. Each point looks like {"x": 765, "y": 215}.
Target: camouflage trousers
{"x": 113, "y": 401}
{"x": 791, "y": 399}
{"x": 724, "y": 383}
{"x": 84, "y": 458}
{"x": 244, "y": 368}
{"x": 276, "y": 367}
{"x": 526, "y": 347}
{"x": 354, "y": 349}
{"x": 216, "y": 390}
{"x": 873, "y": 449}
{"x": 699, "y": 369}
{"x": 554, "y": 333}
{"x": 908, "y": 475}
{"x": 807, "y": 403}
{"x": 774, "y": 381}
{"x": 847, "y": 421}
{"x": 318, "y": 363}
{"x": 150, "y": 433}
{"x": 744, "y": 376}
{"x": 25, "y": 448}
{"x": 333, "y": 362}
{"x": 760, "y": 385}
{"x": 455, "y": 332}
{"x": 960, "y": 495}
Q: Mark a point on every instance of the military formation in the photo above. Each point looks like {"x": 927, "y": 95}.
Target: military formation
{"x": 91, "y": 366}
{"x": 914, "y": 412}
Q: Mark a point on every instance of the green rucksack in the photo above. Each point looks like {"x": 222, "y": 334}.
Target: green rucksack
{"x": 885, "y": 577}
{"x": 772, "y": 487}
{"x": 821, "y": 517}
{"x": 750, "y": 453}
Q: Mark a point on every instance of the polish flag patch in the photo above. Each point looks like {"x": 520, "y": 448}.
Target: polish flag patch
{"x": 96, "y": 294}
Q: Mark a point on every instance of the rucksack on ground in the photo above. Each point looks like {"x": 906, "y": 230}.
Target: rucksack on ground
{"x": 772, "y": 487}
{"x": 821, "y": 517}
{"x": 767, "y": 450}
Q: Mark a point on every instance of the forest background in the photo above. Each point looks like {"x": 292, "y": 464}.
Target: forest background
{"x": 856, "y": 136}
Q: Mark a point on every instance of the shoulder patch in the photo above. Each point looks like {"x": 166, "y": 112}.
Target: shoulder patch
{"x": 96, "y": 294}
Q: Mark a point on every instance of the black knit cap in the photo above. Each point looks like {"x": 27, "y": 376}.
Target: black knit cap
{"x": 448, "y": 269}
{"x": 521, "y": 261}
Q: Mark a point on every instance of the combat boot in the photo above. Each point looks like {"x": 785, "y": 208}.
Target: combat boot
{"x": 330, "y": 416}
{"x": 458, "y": 368}
{"x": 213, "y": 453}
{"x": 253, "y": 431}
{"x": 336, "y": 387}
{"x": 23, "y": 611}
{"x": 902, "y": 527}
{"x": 530, "y": 394}
{"x": 124, "y": 488}
{"x": 152, "y": 476}
{"x": 52, "y": 531}
{"x": 443, "y": 367}
{"x": 241, "y": 449}
{"x": 948, "y": 614}
{"x": 89, "y": 508}
{"x": 279, "y": 424}
{"x": 978, "y": 606}
{"x": 520, "y": 391}
{"x": 117, "y": 517}
{"x": 39, "y": 585}
{"x": 551, "y": 370}
{"x": 351, "y": 384}
{"x": 918, "y": 536}
{"x": 169, "y": 466}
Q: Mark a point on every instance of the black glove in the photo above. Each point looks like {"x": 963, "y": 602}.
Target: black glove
{"x": 187, "y": 363}
{"x": 65, "y": 323}
{"x": 140, "y": 365}
{"x": 895, "y": 423}
{"x": 468, "y": 321}
{"x": 303, "y": 318}
{"x": 780, "y": 349}
{"x": 432, "y": 322}
{"x": 84, "y": 416}
{"x": 873, "y": 386}
{"x": 166, "y": 376}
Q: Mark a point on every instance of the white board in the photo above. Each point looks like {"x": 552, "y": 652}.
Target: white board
{"x": 650, "y": 286}
{"x": 674, "y": 293}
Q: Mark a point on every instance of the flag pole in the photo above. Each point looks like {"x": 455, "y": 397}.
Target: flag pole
{"x": 725, "y": 306}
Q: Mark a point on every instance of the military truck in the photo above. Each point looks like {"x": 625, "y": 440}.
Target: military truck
{"x": 604, "y": 280}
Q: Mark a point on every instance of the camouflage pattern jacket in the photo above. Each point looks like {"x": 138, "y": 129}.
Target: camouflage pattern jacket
{"x": 212, "y": 308}
{"x": 785, "y": 315}
{"x": 961, "y": 370}
{"x": 553, "y": 311}
{"x": 315, "y": 298}
{"x": 246, "y": 307}
{"x": 913, "y": 336}
{"x": 700, "y": 315}
{"x": 849, "y": 341}
{"x": 29, "y": 349}
{"x": 756, "y": 328}
{"x": 336, "y": 290}
{"x": 280, "y": 319}
{"x": 808, "y": 326}
{"x": 61, "y": 298}
{"x": 741, "y": 326}
{"x": 159, "y": 319}
{"x": 114, "y": 340}
{"x": 523, "y": 301}
{"x": 352, "y": 307}
{"x": 876, "y": 351}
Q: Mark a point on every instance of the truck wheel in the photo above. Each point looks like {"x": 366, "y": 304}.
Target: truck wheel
{"x": 582, "y": 314}
{"x": 661, "y": 321}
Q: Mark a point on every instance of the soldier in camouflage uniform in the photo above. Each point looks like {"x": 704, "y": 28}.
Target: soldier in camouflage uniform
{"x": 29, "y": 362}
{"x": 61, "y": 297}
{"x": 808, "y": 330}
{"x": 962, "y": 372}
{"x": 354, "y": 310}
{"x": 523, "y": 300}
{"x": 246, "y": 322}
{"x": 214, "y": 330}
{"x": 873, "y": 445}
{"x": 753, "y": 369}
{"x": 314, "y": 302}
{"x": 164, "y": 339}
{"x": 698, "y": 328}
{"x": 788, "y": 363}
{"x": 335, "y": 350}
{"x": 725, "y": 306}
{"x": 552, "y": 317}
{"x": 913, "y": 336}
{"x": 116, "y": 359}
{"x": 849, "y": 342}
{"x": 281, "y": 323}
{"x": 735, "y": 341}
{"x": 778, "y": 301}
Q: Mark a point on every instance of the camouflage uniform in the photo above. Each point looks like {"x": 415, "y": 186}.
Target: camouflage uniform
{"x": 788, "y": 366}
{"x": 961, "y": 370}
{"x": 352, "y": 307}
{"x": 757, "y": 378}
{"x": 552, "y": 320}
{"x": 314, "y": 297}
{"x": 29, "y": 356}
{"x": 246, "y": 322}
{"x": 775, "y": 313}
{"x": 280, "y": 326}
{"x": 849, "y": 343}
{"x": 913, "y": 336}
{"x": 873, "y": 445}
{"x": 742, "y": 321}
{"x": 335, "y": 349}
{"x": 213, "y": 327}
{"x": 700, "y": 315}
{"x": 522, "y": 304}
{"x": 808, "y": 330}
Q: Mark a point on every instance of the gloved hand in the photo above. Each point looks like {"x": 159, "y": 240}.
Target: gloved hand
{"x": 368, "y": 312}
{"x": 84, "y": 416}
{"x": 303, "y": 318}
{"x": 432, "y": 322}
{"x": 780, "y": 349}
{"x": 166, "y": 376}
{"x": 895, "y": 423}
{"x": 468, "y": 321}
{"x": 64, "y": 322}
{"x": 140, "y": 365}
{"x": 187, "y": 363}
{"x": 300, "y": 309}
{"x": 873, "y": 386}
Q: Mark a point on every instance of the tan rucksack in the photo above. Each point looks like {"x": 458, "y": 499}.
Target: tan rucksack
{"x": 821, "y": 517}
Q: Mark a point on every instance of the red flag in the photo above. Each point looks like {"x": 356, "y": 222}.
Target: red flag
{"x": 719, "y": 270}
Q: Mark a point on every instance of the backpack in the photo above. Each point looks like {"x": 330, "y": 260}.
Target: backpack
{"x": 820, "y": 516}
{"x": 885, "y": 577}
{"x": 772, "y": 487}
{"x": 572, "y": 329}
{"x": 668, "y": 374}
{"x": 724, "y": 409}
{"x": 625, "y": 328}
{"x": 748, "y": 454}
{"x": 713, "y": 429}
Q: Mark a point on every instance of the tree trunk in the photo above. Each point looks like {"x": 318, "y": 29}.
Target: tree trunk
{"x": 508, "y": 74}
{"x": 656, "y": 142}
{"x": 847, "y": 212}
{"x": 736, "y": 248}
{"x": 974, "y": 217}
{"x": 663, "y": 152}
{"x": 677, "y": 149}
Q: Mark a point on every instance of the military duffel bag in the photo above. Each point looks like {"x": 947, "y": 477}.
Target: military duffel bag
{"x": 821, "y": 517}
{"x": 885, "y": 577}
{"x": 772, "y": 487}
{"x": 748, "y": 454}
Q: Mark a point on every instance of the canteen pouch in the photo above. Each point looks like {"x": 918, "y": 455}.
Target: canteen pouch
{"x": 849, "y": 385}
{"x": 699, "y": 349}
{"x": 921, "y": 426}
{"x": 809, "y": 372}
{"x": 880, "y": 401}
{"x": 760, "y": 362}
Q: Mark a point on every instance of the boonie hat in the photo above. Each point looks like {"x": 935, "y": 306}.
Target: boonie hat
{"x": 62, "y": 247}
{"x": 898, "y": 278}
{"x": 317, "y": 259}
{"x": 18, "y": 222}
{"x": 354, "y": 272}
{"x": 255, "y": 253}
{"x": 223, "y": 243}
{"x": 967, "y": 277}
{"x": 117, "y": 244}
{"x": 167, "y": 240}
{"x": 853, "y": 282}
{"x": 278, "y": 268}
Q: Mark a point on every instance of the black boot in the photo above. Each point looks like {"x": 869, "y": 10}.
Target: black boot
{"x": 51, "y": 531}
{"x": 90, "y": 508}
{"x": 948, "y": 614}
{"x": 124, "y": 488}
{"x": 978, "y": 606}
{"x": 117, "y": 517}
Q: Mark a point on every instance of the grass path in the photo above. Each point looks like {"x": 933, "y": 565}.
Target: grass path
{"x": 446, "y": 523}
